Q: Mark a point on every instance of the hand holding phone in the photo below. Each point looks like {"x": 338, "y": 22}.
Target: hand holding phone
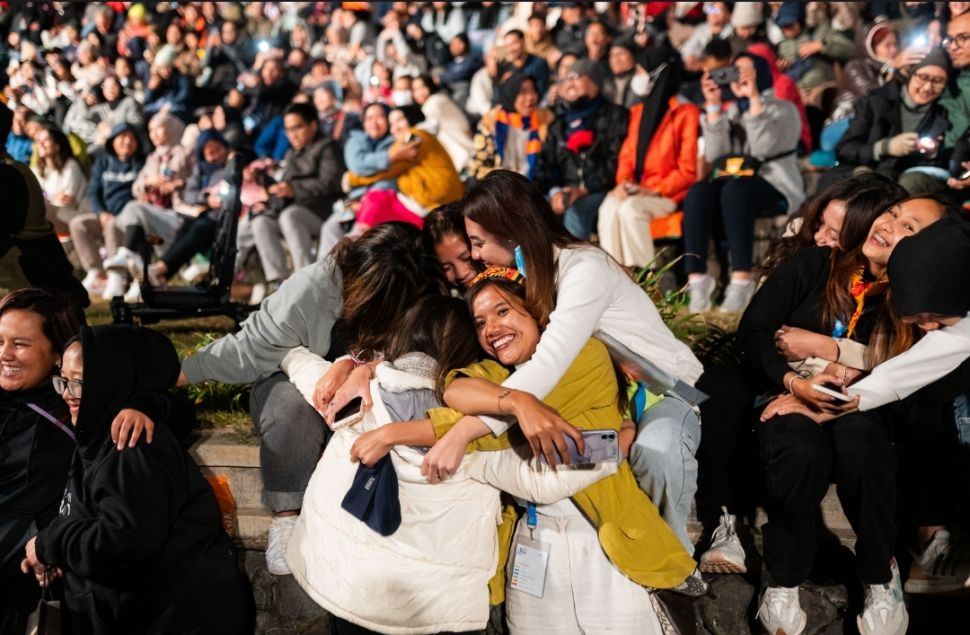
{"x": 831, "y": 392}
{"x": 602, "y": 446}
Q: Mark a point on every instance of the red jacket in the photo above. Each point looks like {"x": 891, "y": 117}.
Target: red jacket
{"x": 671, "y": 163}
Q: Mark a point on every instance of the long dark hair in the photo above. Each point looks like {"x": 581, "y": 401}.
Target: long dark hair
{"x": 60, "y": 158}
{"x": 441, "y": 327}
{"x": 61, "y": 317}
{"x": 385, "y": 271}
{"x": 515, "y": 211}
{"x": 866, "y": 197}
{"x": 890, "y": 336}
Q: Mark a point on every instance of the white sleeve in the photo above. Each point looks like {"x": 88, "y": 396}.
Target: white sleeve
{"x": 304, "y": 370}
{"x": 936, "y": 355}
{"x": 579, "y": 306}
{"x": 530, "y": 479}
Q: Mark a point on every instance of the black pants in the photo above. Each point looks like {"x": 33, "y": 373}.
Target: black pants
{"x": 343, "y": 627}
{"x": 195, "y": 235}
{"x": 728, "y": 463}
{"x": 801, "y": 459}
{"x": 726, "y": 208}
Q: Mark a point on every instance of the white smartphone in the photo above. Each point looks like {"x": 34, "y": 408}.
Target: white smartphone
{"x": 832, "y": 393}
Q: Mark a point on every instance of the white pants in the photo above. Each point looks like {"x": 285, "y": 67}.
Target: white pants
{"x": 624, "y": 226}
{"x": 584, "y": 593}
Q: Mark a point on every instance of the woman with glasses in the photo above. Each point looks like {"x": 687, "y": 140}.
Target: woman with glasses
{"x": 36, "y": 442}
{"x": 898, "y": 130}
{"x": 138, "y": 540}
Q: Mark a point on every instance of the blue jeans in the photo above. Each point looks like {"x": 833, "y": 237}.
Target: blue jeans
{"x": 662, "y": 458}
{"x": 581, "y": 217}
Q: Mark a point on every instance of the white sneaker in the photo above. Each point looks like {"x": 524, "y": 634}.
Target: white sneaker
{"x": 725, "y": 555}
{"x": 194, "y": 271}
{"x": 94, "y": 282}
{"x": 277, "y": 541}
{"x": 136, "y": 267}
{"x": 938, "y": 569}
{"x": 883, "y": 612}
{"x": 700, "y": 290}
{"x": 115, "y": 285}
{"x": 133, "y": 294}
{"x": 119, "y": 261}
{"x": 781, "y": 612}
{"x": 737, "y": 295}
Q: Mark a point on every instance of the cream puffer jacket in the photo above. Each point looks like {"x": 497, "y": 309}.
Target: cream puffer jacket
{"x": 432, "y": 574}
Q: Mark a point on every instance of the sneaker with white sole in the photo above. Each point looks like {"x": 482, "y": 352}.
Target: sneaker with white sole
{"x": 725, "y": 555}
{"x": 781, "y": 611}
{"x": 883, "y": 611}
{"x": 700, "y": 290}
{"x": 939, "y": 569}
{"x": 120, "y": 261}
{"x": 277, "y": 541}
{"x": 133, "y": 294}
{"x": 737, "y": 295}
{"x": 115, "y": 285}
{"x": 94, "y": 282}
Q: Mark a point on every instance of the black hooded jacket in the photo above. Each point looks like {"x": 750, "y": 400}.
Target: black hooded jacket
{"x": 139, "y": 537}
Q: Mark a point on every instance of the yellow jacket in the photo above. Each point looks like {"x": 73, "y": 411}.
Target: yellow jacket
{"x": 631, "y": 531}
{"x": 431, "y": 179}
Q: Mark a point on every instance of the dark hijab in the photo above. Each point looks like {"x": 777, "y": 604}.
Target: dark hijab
{"x": 666, "y": 71}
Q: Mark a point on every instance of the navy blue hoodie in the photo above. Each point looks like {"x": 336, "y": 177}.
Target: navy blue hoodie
{"x": 111, "y": 178}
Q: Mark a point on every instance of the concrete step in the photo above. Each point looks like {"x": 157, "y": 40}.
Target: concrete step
{"x": 221, "y": 453}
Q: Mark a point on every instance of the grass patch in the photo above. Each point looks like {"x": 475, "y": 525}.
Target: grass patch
{"x": 218, "y": 406}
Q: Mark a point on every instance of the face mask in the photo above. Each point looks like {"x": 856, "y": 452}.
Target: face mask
{"x": 641, "y": 84}
{"x": 402, "y": 97}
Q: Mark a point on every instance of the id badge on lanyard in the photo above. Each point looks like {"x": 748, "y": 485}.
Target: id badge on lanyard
{"x": 530, "y": 559}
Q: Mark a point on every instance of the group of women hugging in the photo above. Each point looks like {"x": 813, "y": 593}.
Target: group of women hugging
{"x": 480, "y": 349}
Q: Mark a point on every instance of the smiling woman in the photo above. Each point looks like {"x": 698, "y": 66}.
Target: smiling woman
{"x": 35, "y": 442}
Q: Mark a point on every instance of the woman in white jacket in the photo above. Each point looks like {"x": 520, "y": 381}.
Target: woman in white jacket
{"x": 432, "y": 573}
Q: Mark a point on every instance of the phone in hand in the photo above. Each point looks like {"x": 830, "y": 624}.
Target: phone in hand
{"x": 349, "y": 414}
{"x": 965, "y": 175}
{"x": 831, "y": 391}
{"x": 602, "y": 446}
{"x": 724, "y": 76}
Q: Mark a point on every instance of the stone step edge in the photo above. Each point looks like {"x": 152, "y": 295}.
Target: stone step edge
{"x": 218, "y": 448}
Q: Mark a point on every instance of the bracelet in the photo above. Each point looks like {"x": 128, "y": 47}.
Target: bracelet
{"x": 845, "y": 374}
{"x": 792, "y": 381}
{"x": 358, "y": 357}
{"x": 838, "y": 350}
{"x": 505, "y": 393}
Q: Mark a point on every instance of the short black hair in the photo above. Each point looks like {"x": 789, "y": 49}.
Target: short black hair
{"x": 719, "y": 49}
{"x": 516, "y": 32}
{"x": 304, "y": 111}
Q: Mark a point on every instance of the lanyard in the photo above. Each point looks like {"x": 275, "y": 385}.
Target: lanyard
{"x": 52, "y": 419}
{"x": 531, "y": 518}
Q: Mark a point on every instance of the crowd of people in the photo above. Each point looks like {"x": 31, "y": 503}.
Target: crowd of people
{"x": 441, "y": 204}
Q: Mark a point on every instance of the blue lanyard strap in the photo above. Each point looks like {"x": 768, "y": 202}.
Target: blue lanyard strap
{"x": 531, "y": 517}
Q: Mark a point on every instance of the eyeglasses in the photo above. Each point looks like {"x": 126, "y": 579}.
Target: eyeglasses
{"x": 935, "y": 82}
{"x": 956, "y": 41}
{"x": 72, "y": 386}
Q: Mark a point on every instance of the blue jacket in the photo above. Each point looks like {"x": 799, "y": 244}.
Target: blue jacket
{"x": 272, "y": 141}
{"x": 111, "y": 178}
{"x": 365, "y": 156}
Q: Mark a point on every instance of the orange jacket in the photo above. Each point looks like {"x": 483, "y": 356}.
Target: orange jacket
{"x": 671, "y": 164}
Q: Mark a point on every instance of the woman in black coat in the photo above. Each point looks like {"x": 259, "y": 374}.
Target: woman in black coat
{"x": 900, "y": 126}
{"x": 139, "y": 541}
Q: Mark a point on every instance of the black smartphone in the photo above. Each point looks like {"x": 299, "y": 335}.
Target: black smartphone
{"x": 348, "y": 414}
{"x": 724, "y": 76}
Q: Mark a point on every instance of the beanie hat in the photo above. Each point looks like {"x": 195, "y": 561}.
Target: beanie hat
{"x": 930, "y": 272}
{"x": 746, "y": 14}
{"x": 588, "y": 68}
{"x": 373, "y": 497}
{"x": 936, "y": 57}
